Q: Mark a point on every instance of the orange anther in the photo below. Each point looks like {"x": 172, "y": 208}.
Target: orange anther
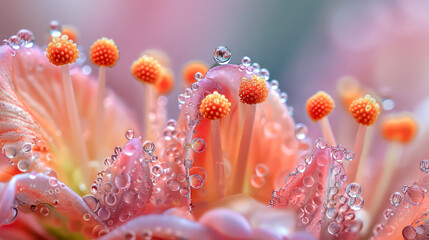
{"x": 146, "y": 69}
{"x": 254, "y": 90}
{"x": 62, "y": 51}
{"x": 349, "y": 89}
{"x": 365, "y": 110}
{"x": 215, "y": 106}
{"x": 70, "y": 32}
{"x": 166, "y": 83}
{"x": 192, "y": 68}
{"x": 319, "y": 105}
{"x": 104, "y": 52}
{"x": 399, "y": 127}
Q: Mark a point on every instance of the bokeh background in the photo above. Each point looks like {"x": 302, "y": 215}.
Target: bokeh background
{"x": 307, "y": 45}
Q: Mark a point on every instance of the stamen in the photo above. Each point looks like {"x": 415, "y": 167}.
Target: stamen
{"x": 166, "y": 83}
{"x": 148, "y": 70}
{"x": 70, "y": 32}
{"x": 365, "y": 111}
{"x": 191, "y": 69}
{"x": 318, "y": 108}
{"x": 252, "y": 91}
{"x": 398, "y": 129}
{"x": 62, "y": 52}
{"x": 103, "y": 53}
{"x": 214, "y": 107}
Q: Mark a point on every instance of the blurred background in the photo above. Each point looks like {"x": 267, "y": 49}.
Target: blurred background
{"x": 307, "y": 45}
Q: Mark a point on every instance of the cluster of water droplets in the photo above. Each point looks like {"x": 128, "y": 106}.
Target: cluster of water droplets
{"x": 24, "y": 38}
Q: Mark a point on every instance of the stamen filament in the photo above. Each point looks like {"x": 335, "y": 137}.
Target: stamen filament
{"x": 77, "y": 137}
{"x": 359, "y": 143}
{"x": 243, "y": 153}
{"x": 327, "y": 131}
{"x": 217, "y": 157}
{"x": 98, "y": 123}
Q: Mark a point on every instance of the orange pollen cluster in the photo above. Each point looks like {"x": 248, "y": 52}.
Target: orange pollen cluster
{"x": 166, "y": 82}
{"x": 146, "y": 69}
{"x": 319, "y": 106}
{"x": 62, "y": 51}
{"x": 104, "y": 52}
{"x": 254, "y": 90}
{"x": 365, "y": 110}
{"x": 215, "y": 106}
{"x": 192, "y": 68}
{"x": 399, "y": 128}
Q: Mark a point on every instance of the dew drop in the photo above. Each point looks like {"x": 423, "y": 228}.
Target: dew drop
{"x": 15, "y": 42}
{"x": 246, "y": 61}
{"x": 44, "y": 211}
{"x": 92, "y": 202}
{"x": 301, "y": 131}
{"x": 321, "y": 143}
{"x": 353, "y": 190}
{"x": 222, "y": 55}
{"x": 424, "y": 165}
{"x": 86, "y": 216}
{"x": 198, "y": 76}
{"x": 24, "y": 165}
{"x": 53, "y": 182}
{"x": 261, "y": 170}
{"x": 13, "y": 213}
{"x": 104, "y": 213}
{"x": 198, "y": 145}
{"x": 356, "y": 203}
{"x": 334, "y": 228}
{"x": 184, "y": 191}
{"x": 308, "y": 181}
{"x": 123, "y": 217}
{"x": 257, "y": 182}
{"x": 331, "y": 213}
{"x": 123, "y": 180}
{"x": 110, "y": 199}
{"x": 27, "y": 38}
{"x": 55, "y": 28}
{"x": 395, "y": 199}
{"x": 196, "y": 181}
{"x": 157, "y": 170}
{"x": 149, "y": 147}
{"x": 130, "y": 197}
{"x": 409, "y": 232}
{"x": 9, "y": 151}
{"x": 173, "y": 185}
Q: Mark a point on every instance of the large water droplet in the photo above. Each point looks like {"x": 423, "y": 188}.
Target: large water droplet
{"x": 15, "y": 42}
{"x": 24, "y": 165}
{"x": 198, "y": 145}
{"x": 130, "y": 196}
{"x": 110, "y": 199}
{"x": 196, "y": 181}
{"x": 9, "y": 151}
{"x": 129, "y": 134}
{"x": 55, "y": 28}
{"x": 27, "y": 38}
{"x": 149, "y": 147}
{"x": 415, "y": 195}
{"x": 395, "y": 199}
{"x": 123, "y": 180}
{"x": 301, "y": 131}
{"x": 334, "y": 228}
{"x": 104, "y": 213}
{"x": 222, "y": 55}
{"x": 356, "y": 203}
{"x": 92, "y": 202}
{"x": 261, "y": 169}
{"x": 353, "y": 190}
{"x": 409, "y": 232}
{"x": 424, "y": 165}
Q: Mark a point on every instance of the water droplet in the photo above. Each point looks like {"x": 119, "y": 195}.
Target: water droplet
{"x": 321, "y": 143}
{"x": 123, "y": 180}
{"x": 108, "y": 162}
{"x": 129, "y": 134}
{"x": 24, "y": 165}
{"x": 86, "y": 216}
{"x": 196, "y": 181}
{"x": 257, "y": 182}
{"x": 308, "y": 159}
{"x": 149, "y": 147}
{"x": 198, "y": 76}
{"x": 44, "y": 211}
{"x": 353, "y": 190}
{"x": 301, "y": 131}
{"x": 181, "y": 177}
{"x": 9, "y": 151}
{"x": 195, "y": 86}
{"x": 130, "y": 197}
{"x": 181, "y": 99}
{"x": 55, "y": 28}
{"x": 198, "y": 145}
{"x": 157, "y": 170}
{"x": 409, "y": 232}
{"x": 92, "y": 202}
{"x": 246, "y": 61}
{"x": 265, "y": 73}
{"x": 53, "y": 182}
{"x": 261, "y": 170}
{"x": 414, "y": 195}
{"x": 188, "y": 163}
{"x": 222, "y": 55}
{"x": 395, "y": 199}
{"x": 349, "y": 156}
{"x": 173, "y": 185}
{"x": 356, "y": 203}
{"x": 300, "y": 168}
{"x": 308, "y": 181}
{"x": 104, "y": 213}
{"x": 331, "y": 213}
{"x": 274, "y": 84}
{"x": 388, "y": 104}
{"x": 338, "y": 155}
{"x": 13, "y": 213}
{"x": 110, "y": 199}
{"x": 27, "y": 38}
{"x": 334, "y": 228}
{"x": 171, "y": 124}
{"x": 184, "y": 191}
{"x": 424, "y": 165}
{"x": 15, "y": 42}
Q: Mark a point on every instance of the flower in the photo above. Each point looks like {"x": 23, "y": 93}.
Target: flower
{"x": 251, "y": 173}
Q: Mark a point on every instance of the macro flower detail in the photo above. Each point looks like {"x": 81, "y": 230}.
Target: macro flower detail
{"x": 77, "y": 163}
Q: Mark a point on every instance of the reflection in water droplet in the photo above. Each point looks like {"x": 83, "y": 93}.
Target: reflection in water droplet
{"x": 129, "y": 134}
{"x": 356, "y": 203}
{"x": 196, "y": 181}
{"x": 301, "y": 131}
{"x": 222, "y": 55}
{"x": 353, "y": 190}
{"x": 257, "y": 182}
{"x": 27, "y": 38}
{"x": 122, "y": 180}
{"x": 110, "y": 199}
{"x": 198, "y": 145}
{"x": 261, "y": 170}
{"x": 395, "y": 199}
{"x": 92, "y": 202}
{"x": 424, "y": 165}
{"x": 104, "y": 213}
{"x": 15, "y": 42}
{"x": 55, "y": 28}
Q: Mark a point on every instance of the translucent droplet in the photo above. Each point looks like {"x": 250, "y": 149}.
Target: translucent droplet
{"x": 300, "y": 168}
{"x": 104, "y": 213}
{"x": 44, "y": 211}
{"x": 184, "y": 191}
{"x": 414, "y": 195}
{"x": 409, "y": 232}
{"x": 261, "y": 169}
{"x": 331, "y": 213}
{"x": 110, "y": 199}
{"x": 424, "y": 165}
{"x": 157, "y": 170}
{"x": 108, "y": 162}
{"x": 198, "y": 145}
{"x": 53, "y": 182}
{"x": 301, "y": 131}
{"x": 198, "y": 76}
{"x": 222, "y": 55}
{"x": 349, "y": 156}
{"x": 338, "y": 155}
{"x": 130, "y": 197}
{"x": 246, "y": 61}
{"x": 173, "y": 185}
{"x": 196, "y": 181}
{"x": 86, "y": 216}
{"x": 55, "y": 28}
{"x": 395, "y": 199}
{"x": 181, "y": 99}
{"x": 9, "y": 151}
{"x": 356, "y": 203}
{"x": 27, "y": 38}
{"x": 195, "y": 86}
{"x": 388, "y": 104}
{"x": 274, "y": 84}
{"x": 149, "y": 147}
{"x": 188, "y": 163}
{"x": 308, "y": 181}
{"x": 129, "y": 134}
{"x": 308, "y": 159}
{"x": 24, "y": 165}
{"x": 321, "y": 143}
{"x": 256, "y": 67}
{"x": 92, "y": 202}
{"x": 13, "y": 213}
{"x": 265, "y": 73}
{"x": 334, "y": 228}
{"x": 257, "y": 182}
{"x": 353, "y": 190}
{"x": 171, "y": 124}
{"x": 15, "y": 42}
{"x": 123, "y": 180}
